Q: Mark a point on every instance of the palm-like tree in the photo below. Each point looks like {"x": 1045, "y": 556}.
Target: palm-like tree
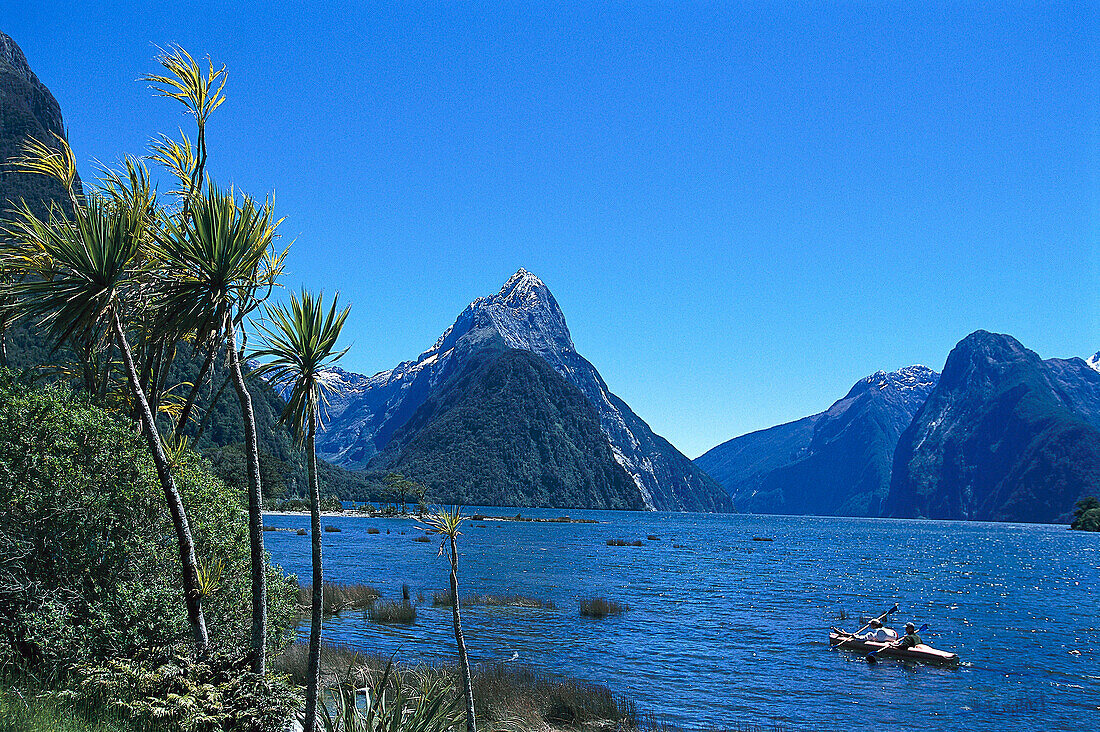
{"x": 80, "y": 276}
{"x": 300, "y": 346}
{"x": 214, "y": 266}
{"x": 447, "y": 523}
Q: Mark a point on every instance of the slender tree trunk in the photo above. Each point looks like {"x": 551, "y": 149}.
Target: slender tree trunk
{"x": 463, "y": 659}
{"x": 313, "y": 686}
{"x": 4, "y": 348}
{"x": 255, "y": 507}
{"x": 207, "y": 364}
{"x": 191, "y": 594}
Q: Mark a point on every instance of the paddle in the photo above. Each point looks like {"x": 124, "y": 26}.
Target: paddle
{"x": 871, "y": 656}
{"x": 894, "y": 609}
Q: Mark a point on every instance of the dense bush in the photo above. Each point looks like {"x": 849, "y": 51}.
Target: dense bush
{"x": 89, "y": 567}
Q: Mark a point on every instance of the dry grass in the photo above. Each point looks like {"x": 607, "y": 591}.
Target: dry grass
{"x": 521, "y": 697}
{"x": 339, "y": 597}
{"x": 535, "y": 699}
{"x": 392, "y": 612}
{"x": 599, "y": 607}
{"x": 443, "y": 599}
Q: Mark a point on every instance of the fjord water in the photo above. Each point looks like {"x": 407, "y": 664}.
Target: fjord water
{"x": 728, "y": 632}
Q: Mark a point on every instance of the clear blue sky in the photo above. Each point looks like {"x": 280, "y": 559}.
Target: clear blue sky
{"x": 741, "y": 209}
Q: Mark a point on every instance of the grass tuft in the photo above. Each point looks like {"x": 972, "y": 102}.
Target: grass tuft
{"x": 392, "y": 612}
{"x": 599, "y": 607}
{"x": 443, "y": 599}
{"x": 339, "y": 597}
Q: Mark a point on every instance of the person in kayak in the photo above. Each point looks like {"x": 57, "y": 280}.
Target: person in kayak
{"x": 911, "y": 638}
{"x": 880, "y": 633}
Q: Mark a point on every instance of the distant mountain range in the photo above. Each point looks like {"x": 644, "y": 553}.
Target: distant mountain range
{"x": 491, "y": 414}
{"x": 834, "y": 463}
{"x": 1002, "y": 435}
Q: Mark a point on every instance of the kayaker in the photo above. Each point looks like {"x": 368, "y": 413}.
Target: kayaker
{"x": 911, "y": 638}
{"x": 880, "y": 633}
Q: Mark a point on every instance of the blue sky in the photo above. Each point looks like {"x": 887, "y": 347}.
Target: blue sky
{"x": 742, "y": 209}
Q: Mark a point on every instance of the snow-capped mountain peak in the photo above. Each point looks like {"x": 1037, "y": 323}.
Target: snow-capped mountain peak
{"x": 1094, "y": 361}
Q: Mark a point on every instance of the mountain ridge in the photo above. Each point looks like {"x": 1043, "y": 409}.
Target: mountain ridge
{"x": 1004, "y": 436}
{"x": 835, "y": 462}
{"x": 524, "y": 316}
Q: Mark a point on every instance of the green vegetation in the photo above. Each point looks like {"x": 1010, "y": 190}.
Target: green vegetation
{"x": 1086, "y": 515}
{"x": 98, "y": 578}
{"x": 599, "y": 607}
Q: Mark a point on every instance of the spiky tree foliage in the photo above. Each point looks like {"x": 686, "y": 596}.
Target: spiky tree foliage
{"x": 81, "y": 275}
{"x": 300, "y": 342}
{"x": 216, "y": 265}
{"x": 447, "y": 522}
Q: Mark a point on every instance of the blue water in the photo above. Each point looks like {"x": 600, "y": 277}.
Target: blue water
{"x": 729, "y": 632}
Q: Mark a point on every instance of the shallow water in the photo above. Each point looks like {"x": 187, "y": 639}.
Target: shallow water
{"x": 728, "y": 632}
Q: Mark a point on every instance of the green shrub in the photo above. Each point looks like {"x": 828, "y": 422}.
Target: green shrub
{"x": 427, "y": 702}
{"x": 88, "y": 558}
{"x": 177, "y": 692}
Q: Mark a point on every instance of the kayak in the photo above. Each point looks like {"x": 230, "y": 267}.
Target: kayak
{"x": 922, "y": 652}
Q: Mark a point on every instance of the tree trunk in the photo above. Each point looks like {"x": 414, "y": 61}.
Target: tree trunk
{"x": 314, "y": 683}
{"x": 191, "y": 594}
{"x": 191, "y": 397}
{"x": 463, "y": 659}
{"x": 255, "y": 507}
